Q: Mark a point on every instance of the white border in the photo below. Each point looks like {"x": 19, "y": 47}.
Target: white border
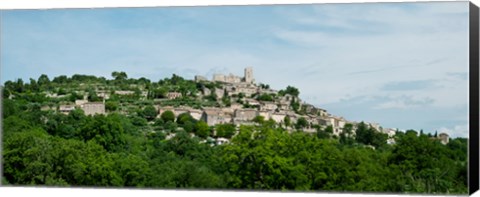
{"x": 47, "y": 4}
{"x": 81, "y": 192}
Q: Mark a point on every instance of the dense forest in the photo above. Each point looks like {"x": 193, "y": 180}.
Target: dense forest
{"x": 44, "y": 147}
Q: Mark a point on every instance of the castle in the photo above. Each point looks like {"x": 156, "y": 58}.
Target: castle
{"x": 248, "y": 77}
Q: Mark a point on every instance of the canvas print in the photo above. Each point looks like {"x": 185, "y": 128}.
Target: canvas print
{"x": 312, "y": 98}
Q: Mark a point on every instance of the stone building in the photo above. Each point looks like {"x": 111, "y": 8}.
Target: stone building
{"x": 196, "y": 114}
{"x": 322, "y": 112}
{"x": 278, "y": 117}
{"x": 252, "y": 102}
{"x": 219, "y": 93}
{"x": 376, "y": 126}
{"x": 199, "y": 78}
{"x": 124, "y": 92}
{"x": 213, "y": 116}
{"x": 206, "y": 91}
{"x": 444, "y": 138}
{"x": 249, "y": 75}
{"x": 266, "y": 114}
{"x": 93, "y": 108}
{"x": 326, "y": 121}
{"x": 103, "y": 94}
{"x": 232, "y": 79}
{"x": 248, "y": 91}
{"x": 65, "y": 109}
{"x": 174, "y": 95}
{"x": 283, "y": 106}
{"x": 218, "y": 77}
{"x": 268, "y": 106}
{"x": 235, "y": 106}
{"x": 80, "y": 102}
{"x": 245, "y": 114}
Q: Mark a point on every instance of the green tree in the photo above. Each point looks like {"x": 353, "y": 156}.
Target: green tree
{"x": 265, "y": 97}
{"x": 43, "y": 80}
{"x": 301, "y": 123}
{"x": 149, "y": 112}
{"x": 62, "y": 79}
{"x": 168, "y": 116}
{"x": 111, "y": 106}
{"x": 107, "y": 131}
{"x": 201, "y": 129}
{"x": 287, "y": 121}
{"x": 225, "y": 130}
{"x": 259, "y": 119}
{"x": 119, "y": 76}
{"x": 184, "y": 117}
{"x": 290, "y": 90}
{"x": 346, "y": 134}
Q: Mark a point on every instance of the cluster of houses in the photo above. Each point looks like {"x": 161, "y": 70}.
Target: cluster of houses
{"x": 243, "y": 112}
{"x": 279, "y": 110}
{"x": 90, "y": 108}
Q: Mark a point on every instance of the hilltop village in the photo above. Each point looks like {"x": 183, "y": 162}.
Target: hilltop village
{"x": 227, "y": 132}
{"x": 226, "y": 99}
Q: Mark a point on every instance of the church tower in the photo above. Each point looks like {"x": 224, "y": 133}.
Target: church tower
{"x": 249, "y": 75}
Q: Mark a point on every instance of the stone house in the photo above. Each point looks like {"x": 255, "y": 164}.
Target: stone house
{"x": 213, "y": 116}
{"x": 174, "y": 95}
{"x": 196, "y": 114}
{"x": 311, "y": 119}
{"x": 248, "y": 91}
{"x": 218, "y": 77}
{"x": 228, "y": 110}
{"x": 326, "y": 121}
{"x": 339, "y": 122}
{"x": 245, "y": 114}
{"x": 93, "y": 108}
{"x": 389, "y": 131}
{"x": 268, "y": 106}
{"x": 206, "y": 91}
{"x": 265, "y": 113}
{"x": 235, "y": 106}
{"x": 80, "y": 102}
{"x": 227, "y": 118}
{"x": 322, "y": 112}
{"x": 124, "y": 92}
{"x": 103, "y": 93}
{"x": 444, "y": 138}
{"x": 232, "y": 79}
{"x": 376, "y": 126}
{"x": 278, "y": 117}
{"x": 199, "y": 78}
{"x": 65, "y": 109}
{"x": 283, "y": 106}
{"x": 219, "y": 93}
{"x": 252, "y": 102}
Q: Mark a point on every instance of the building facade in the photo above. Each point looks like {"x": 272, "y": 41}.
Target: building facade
{"x": 93, "y": 108}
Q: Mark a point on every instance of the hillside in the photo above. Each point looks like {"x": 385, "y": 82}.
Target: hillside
{"x": 224, "y": 133}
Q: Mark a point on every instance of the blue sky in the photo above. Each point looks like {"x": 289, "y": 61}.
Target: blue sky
{"x": 403, "y": 65}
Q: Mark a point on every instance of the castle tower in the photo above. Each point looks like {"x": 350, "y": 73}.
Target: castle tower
{"x": 249, "y": 75}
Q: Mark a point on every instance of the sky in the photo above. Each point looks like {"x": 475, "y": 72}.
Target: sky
{"x": 403, "y": 65}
